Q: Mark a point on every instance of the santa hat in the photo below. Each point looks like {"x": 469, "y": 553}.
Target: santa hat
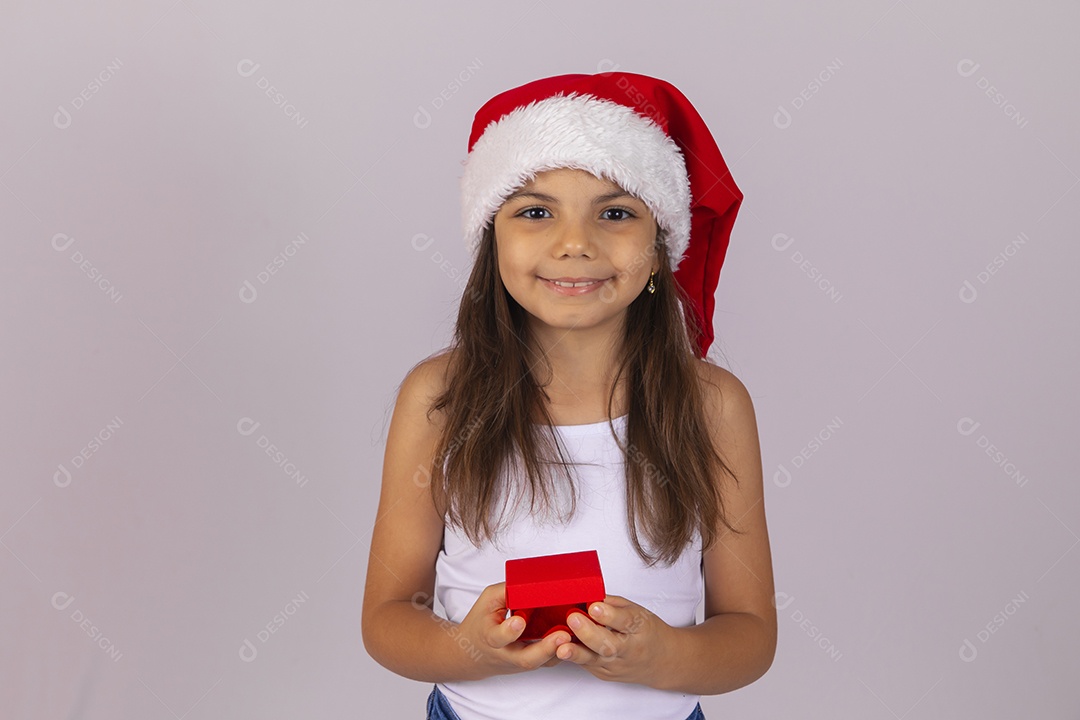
{"x": 637, "y": 131}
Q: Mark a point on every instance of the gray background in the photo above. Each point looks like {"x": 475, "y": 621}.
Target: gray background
{"x": 230, "y": 229}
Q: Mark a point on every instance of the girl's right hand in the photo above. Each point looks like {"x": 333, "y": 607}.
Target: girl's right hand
{"x": 496, "y": 638}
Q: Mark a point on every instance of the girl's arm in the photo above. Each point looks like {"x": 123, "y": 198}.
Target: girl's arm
{"x": 400, "y": 630}
{"x": 735, "y": 644}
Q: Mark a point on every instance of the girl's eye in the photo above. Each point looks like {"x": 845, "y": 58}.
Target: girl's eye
{"x": 622, "y": 213}
{"x": 532, "y": 210}
{"x": 626, "y": 213}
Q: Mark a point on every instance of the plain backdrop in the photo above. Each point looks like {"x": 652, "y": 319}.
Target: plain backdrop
{"x": 229, "y": 230}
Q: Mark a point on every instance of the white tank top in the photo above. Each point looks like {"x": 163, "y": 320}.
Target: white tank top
{"x": 568, "y": 691}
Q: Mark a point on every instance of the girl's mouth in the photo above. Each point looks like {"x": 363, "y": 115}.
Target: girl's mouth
{"x": 583, "y": 287}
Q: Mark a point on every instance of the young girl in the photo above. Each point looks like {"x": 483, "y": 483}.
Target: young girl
{"x": 576, "y": 410}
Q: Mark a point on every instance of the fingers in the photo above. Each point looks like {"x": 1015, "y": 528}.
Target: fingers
{"x": 493, "y": 597}
{"x": 509, "y": 630}
{"x": 498, "y": 636}
{"x": 498, "y": 630}
{"x": 505, "y": 631}
{"x": 552, "y": 662}
{"x": 542, "y": 652}
{"x": 501, "y": 632}
{"x": 618, "y": 601}
{"x": 577, "y": 654}
{"x": 599, "y": 641}
{"x": 618, "y": 614}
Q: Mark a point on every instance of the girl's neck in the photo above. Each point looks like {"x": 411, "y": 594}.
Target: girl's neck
{"x": 577, "y": 369}
{"x": 583, "y": 404}
{"x": 581, "y": 359}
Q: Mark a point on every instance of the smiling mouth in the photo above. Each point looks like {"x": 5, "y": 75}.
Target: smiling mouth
{"x": 574, "y": 284}
{"x": 575, "y": 287}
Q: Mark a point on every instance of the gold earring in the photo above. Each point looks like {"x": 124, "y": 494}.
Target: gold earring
{"x": 651, "y": 287}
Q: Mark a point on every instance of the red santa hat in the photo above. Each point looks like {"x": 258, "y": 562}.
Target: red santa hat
{"x": 637, "y": 131}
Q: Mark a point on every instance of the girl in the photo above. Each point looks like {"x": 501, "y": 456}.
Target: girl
{"x": 579, "y": 347}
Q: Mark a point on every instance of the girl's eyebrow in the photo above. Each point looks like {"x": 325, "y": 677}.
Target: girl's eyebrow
{"x": 549, "y": 199}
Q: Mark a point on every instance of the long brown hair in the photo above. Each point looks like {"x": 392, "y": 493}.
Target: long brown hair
{"x": 491, "y": 398}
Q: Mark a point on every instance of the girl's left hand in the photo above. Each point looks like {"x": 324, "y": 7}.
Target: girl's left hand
{"x": 630, "y": 648}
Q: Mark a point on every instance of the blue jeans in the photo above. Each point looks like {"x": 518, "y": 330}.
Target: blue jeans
{"x": 438, "y": 708}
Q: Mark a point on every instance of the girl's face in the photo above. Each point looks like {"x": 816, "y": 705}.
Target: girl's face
{"x": 567, "y": 224}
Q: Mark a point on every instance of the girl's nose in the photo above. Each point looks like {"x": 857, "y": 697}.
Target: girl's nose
{"x": 574, "y": 237}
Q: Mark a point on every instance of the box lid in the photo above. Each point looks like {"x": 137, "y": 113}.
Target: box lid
{"x": 562, "y": 579}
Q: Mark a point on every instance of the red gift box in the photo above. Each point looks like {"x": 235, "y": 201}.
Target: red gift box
{"x": 544, "y": 590}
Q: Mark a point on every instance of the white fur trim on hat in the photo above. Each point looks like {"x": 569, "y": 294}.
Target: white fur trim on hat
{"x": 600, "y": 136}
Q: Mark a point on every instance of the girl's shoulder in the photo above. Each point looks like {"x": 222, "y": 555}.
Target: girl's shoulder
{"x": 716, "y": 376}
{"x": 426, "y": 380}
{"x": 723, "y": 391}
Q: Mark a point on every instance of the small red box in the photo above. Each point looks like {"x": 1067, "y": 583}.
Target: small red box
{"x": 544, "y": 590}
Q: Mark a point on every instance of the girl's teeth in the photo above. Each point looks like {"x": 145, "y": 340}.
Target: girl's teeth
{"x": 566, "y": 284}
